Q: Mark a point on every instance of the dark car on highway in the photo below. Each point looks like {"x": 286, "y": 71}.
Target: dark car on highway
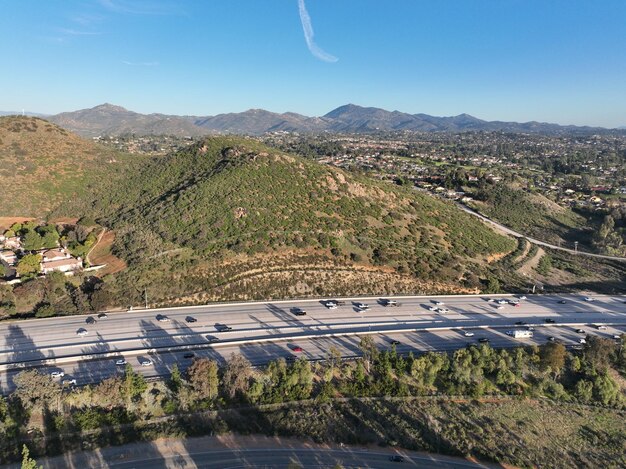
{"x": 396, "y": 458}
{"x": 387, "y": 302}
{"x": 483, "y": 340}
{"x": 550, "y": 321}
{"x": 90, "y": 320}
{"x": 299, "y": 312}
{"x": 562, "y": 302}
{"x": 223, "y": 328}
{"x": 191, "y": 319}
{"x": 102, "y": 316}
{"x": 189, "y": 355}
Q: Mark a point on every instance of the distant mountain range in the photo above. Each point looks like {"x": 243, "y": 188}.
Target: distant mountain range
{"x": 107, "y": 119}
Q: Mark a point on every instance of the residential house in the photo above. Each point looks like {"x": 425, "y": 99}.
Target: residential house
{"x": 59, "y": 260}
{"x": 13, "y": 242}
{"x": 56, "y": 254}
{"x": 8, "y": 256}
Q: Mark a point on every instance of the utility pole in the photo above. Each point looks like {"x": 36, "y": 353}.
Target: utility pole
{"x": 576, "y": 247}
{"x": 145, "y": 296}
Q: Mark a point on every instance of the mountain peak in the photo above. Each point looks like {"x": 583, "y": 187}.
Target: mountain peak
{"x": 109, "y": 108}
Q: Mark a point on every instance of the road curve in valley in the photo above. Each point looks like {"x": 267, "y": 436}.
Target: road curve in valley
{"x": 516, "y": 234}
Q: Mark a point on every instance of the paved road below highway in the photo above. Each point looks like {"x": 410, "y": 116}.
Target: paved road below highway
{"x": 266, "y": 331}
{"x": 231, "y": 451}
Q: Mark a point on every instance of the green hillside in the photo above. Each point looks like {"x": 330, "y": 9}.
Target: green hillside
{"x": 533, "y": 214}
{"x": 42, "y": 166}
{"x": 231, "y": 218}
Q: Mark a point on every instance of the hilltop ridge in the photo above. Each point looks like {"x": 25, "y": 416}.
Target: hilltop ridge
{"x": 231, "y": 218}
{"x": 108, "y": 119}
{"x": 45, "y": 165}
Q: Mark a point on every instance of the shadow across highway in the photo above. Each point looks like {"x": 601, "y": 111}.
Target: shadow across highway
{"x": 23, "y": 349}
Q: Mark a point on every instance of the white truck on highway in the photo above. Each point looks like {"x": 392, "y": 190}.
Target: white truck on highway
{"x": 520, "y": 334}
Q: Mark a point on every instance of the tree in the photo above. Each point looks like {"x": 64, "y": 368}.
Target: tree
{"x": 32, "y": 241}
{"x": 598, "y": 351}
{"x": 333, "y": 358}
{"x": 176, "y": 379}
{"x": 37, "y": 391}
{"x": 369, "y": 351}
{"x": 49, "y": 236}
{"x": 584, "y": 391}
{"x": 27, "y": 461}
{"x": 237, "y": 375}
{"x": 203, "y": 378}
{"x": 100, "y": 298}
{"x": 134, "y": 384}
{"x": 29, "y": 265}
{"x": 493, "y": 285}
{"x": 552, "y": 357}
{"x": 109, "y": 393}
{"x": 44, "y": 310}
{"x": 606, "y": 390}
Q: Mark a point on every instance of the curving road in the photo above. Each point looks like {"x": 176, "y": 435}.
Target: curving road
{"x": 264, "y": 331}
{"x": 231, "y": 451}
{"x": 516, "y": 234}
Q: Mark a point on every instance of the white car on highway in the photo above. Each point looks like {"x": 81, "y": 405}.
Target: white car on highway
{"x": 588, "y": 298}
{"x": 68, "y": 382}
{"x": 145, "y": 362}
{"x": 439, "y": 303}
{"x": 120, "y": 362}
{"x": 362, "y": 306}
{"x": 432, "y": 308}
{"x": 468, "y": 334}
{"x": 57, "y": 374}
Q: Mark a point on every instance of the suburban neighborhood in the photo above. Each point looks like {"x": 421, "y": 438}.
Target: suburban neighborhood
{"x": 31, "y": 249}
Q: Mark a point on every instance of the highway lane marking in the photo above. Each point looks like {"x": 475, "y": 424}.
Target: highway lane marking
{"x": 240, "y": 342}
{"x": 228, "y": 305}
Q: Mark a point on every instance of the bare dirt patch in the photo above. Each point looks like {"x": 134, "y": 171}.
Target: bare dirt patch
{"x": 6, "y": 222}
{"x": 101, "y": 254}
{"x": 65, "y": 220}
{"x": 531, "y": 263}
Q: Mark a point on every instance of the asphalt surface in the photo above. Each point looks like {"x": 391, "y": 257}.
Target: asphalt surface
{"x": 266, "y": 331}
{"x": 231, "y": 451}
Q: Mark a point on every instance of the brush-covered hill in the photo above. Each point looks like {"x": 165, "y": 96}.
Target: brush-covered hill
{"x": 43, "y": 166}
{"x": 230, "y": 218}
{"x": 108, "y": 119}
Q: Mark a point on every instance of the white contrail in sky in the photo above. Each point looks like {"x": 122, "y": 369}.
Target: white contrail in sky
{"x": 308, "y": 35}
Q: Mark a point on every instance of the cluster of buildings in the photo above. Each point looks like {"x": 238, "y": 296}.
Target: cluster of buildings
{"x": 57, "y": 259}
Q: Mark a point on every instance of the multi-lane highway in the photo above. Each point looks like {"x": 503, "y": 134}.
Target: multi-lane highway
{"x": 265, "y": 331}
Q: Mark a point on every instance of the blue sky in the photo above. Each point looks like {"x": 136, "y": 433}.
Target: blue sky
{"x": 547, "y": 60}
